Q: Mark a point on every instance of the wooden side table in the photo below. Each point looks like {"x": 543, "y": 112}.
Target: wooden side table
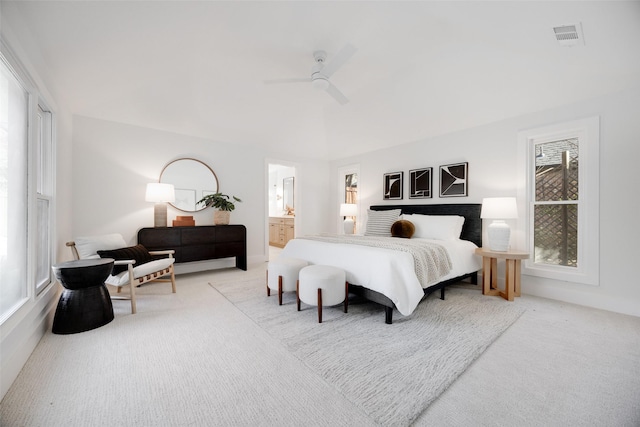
{"x": 490, "y": 272}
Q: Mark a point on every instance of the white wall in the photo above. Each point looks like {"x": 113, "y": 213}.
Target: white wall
{"x": 493, "y": 171}
{"x": 113, "y": 162}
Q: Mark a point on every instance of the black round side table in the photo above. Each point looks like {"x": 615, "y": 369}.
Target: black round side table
{"x": 85, "y": 303}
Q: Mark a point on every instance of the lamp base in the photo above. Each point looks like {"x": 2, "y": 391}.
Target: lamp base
{"x": 499, "y": 234}
{"x": 349, "y": 226}
{"x": 160, "y": 215}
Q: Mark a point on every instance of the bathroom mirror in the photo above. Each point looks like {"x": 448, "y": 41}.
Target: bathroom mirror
{"x": 287, "y": 193}
{"x": 192, "y": 180}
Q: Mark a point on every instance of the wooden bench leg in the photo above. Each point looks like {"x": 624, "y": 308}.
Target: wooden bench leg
{"x": 346, "y": 296}
{"x": 319, "y": 305}
{"x": 298, "y": 293}
{"x": 388, "y": 315}
{"x": 279, "y": 290}
{"x": 268, "y": 289}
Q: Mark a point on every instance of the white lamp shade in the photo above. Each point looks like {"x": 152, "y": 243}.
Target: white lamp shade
{"x": 499, "y": 208}
{"x": 348, "y": 209}
{"x": 158, "y": 192}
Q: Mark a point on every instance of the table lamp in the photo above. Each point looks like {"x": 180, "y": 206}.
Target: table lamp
{"x": 160, "y": 194}
{"x": 499, "y": 209}
{"x": 348, "y": 210}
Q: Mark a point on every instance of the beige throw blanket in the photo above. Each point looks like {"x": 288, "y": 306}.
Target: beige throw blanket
{"x": 431, "y": 260}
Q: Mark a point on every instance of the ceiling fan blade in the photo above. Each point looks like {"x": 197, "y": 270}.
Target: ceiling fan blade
{"x": 336, "y": 94}
{"x": 339, "y": 59}
{"x": 278, "y": 81}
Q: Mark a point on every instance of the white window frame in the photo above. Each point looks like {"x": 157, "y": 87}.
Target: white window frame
{"x": 41, "y": 179}
{"x": 588, "y": 133}
{"x": 44, "y": 190}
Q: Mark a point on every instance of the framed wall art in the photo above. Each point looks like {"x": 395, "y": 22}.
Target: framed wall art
{"x": 392, "y": 185}
{"x": 454, "y": 180}
{"x": 420, "y": 183}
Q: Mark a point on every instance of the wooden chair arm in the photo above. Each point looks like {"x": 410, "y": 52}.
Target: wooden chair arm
{"x": 124, "y": 262}
{"x": 164, "y": 252}
{"x": 74, "y": 250}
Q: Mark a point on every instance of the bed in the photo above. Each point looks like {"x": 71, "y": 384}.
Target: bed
{"x": 387, "y": 276}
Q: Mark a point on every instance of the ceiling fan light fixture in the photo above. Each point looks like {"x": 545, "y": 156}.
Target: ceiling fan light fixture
{"x": 320, "y": 83}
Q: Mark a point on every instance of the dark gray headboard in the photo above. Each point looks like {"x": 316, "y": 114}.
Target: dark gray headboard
{"x": 472, "y": 228}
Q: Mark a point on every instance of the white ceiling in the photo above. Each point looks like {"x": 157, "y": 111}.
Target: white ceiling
{"x": 422, "y": 68}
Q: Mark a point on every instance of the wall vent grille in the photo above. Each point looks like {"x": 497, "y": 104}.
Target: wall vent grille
{"x": 569, "y": 35}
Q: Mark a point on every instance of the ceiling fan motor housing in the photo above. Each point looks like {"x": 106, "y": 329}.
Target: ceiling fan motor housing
{"x": 320, "y": 56}
{"x": 318, "y": 80}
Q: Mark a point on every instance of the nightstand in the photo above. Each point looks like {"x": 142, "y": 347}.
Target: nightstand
{"x": 490, "y": 272}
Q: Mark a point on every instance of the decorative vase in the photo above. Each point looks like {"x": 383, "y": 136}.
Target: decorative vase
{"x": 221, "y": 217}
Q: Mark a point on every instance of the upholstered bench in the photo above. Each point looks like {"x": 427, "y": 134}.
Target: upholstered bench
{"x": 282, "y": 275}
{"x": 323, "y": 285}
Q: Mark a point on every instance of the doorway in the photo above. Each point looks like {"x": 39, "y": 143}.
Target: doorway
{"x": 281, "y": 200}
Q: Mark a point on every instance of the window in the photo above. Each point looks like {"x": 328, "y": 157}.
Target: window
{"x": 44, "y": 199}
{"x": 561, "y": 192}
{"x": 26, "y": 189}
{"x": 556, "y": 200}
{"x": 14, "y": 112}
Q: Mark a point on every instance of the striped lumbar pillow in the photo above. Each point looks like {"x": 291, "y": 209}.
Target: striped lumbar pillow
{"x": 379, "y": 222}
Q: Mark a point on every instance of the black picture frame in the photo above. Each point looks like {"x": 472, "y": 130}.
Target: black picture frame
{"x": 420, "y": 183}
{"x": 392, "y": 184}
{"x": 454, "y": 180}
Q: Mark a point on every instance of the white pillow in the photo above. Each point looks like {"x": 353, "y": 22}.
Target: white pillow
{"x": 89, "y": 246}
{"x": 379, "y": 222}
{"x": 436, "y": 227}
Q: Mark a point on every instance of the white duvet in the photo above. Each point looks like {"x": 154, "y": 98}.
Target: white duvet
{"x": 386, "y": 271}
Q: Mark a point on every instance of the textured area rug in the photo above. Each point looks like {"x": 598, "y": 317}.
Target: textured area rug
{"x": 393, "y": 372}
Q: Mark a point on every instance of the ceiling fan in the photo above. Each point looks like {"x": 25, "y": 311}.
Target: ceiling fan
{"x": 320, "y": 73}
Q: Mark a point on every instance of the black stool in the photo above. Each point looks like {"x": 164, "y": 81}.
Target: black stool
{"x": 85, "y": 303}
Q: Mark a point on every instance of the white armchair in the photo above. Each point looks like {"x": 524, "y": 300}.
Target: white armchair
{"x": 126, "y": 272}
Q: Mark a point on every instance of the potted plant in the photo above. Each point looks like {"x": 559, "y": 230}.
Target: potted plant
{"x": 223, "y": 205}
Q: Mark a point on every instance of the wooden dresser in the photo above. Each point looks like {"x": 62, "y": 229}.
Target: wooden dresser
{"x": 198, "y": 243}
{"x": 281, "y": 230}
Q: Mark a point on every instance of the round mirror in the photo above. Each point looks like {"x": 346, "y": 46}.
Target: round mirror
{"x": 192, "y": 180}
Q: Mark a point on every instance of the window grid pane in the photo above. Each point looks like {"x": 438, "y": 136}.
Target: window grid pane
{"x": 556, "y": 169}
{"x": 555, "y": 234}
{"x": 43, "y": 257}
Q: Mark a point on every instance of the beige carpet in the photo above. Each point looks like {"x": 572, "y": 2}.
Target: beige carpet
{"x": 185, "y": 359}
{"x": 393, "y": 372}
{"x": 558, "y": 365}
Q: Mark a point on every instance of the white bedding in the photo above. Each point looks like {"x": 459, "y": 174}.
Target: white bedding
{"x": 386, "y": 271}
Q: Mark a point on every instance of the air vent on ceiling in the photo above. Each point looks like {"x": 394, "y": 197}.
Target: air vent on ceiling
{"x": 569, "y": 35}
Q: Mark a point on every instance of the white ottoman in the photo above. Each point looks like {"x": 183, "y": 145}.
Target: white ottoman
{"x": 282, "y": 275}
{"x": 323, "y": 285}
